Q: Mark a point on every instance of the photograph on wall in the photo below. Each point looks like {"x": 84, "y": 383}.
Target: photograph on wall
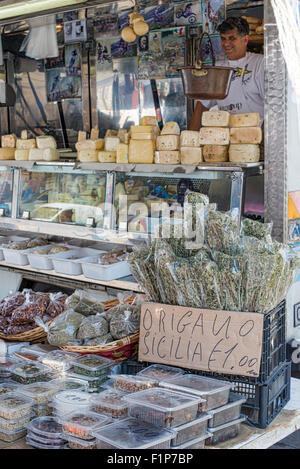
{"x": 187, "y": 13}
{"x": 56, "y": 62}
{"x": 70, "y": 16}
{"x": 155, "y": 44}
{"x": 173, "y": 44}
{"x": 159, "y": 16}
{"x": 106, "y": 26}
{"x": 143, "y": 43}
{"x": 214, "y": 12}
{"x": 72, "y": 59}
{"x": 60, "y": 86}
{"x": 206, "y": 55}
{"x": 104, "y": 51}
{"x": 120, "y": 48}
{"x": 151, "y": 65}
{"x": 75, "y": 31}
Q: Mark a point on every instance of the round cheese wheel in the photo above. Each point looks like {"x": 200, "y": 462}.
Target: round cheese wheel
{"x": 140, "y": 28}
{"x": 128, "y": 35}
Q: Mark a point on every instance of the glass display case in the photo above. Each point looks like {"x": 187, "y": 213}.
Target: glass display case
{"x": 65, "y": 196}
{"x": 6, "y": 191}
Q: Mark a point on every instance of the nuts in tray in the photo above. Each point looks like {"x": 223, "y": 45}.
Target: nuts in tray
{"x": 112, "y": 257}
{"x": 58, "y": 360}
{"x": 13, "y": 425}
{"x": 14, "y": 406}
{"x": 111, "y": 403}
{"x": 40, "y": 392}
{"x": 132, "y": 383}
{"x": 191, "y": 430}
{"x": 76, "y": 443}
{"x": 45, "y": 427}
{"x": 29, "y": 373}
{"x": 81, "y": 424}
{"x": 91, "y": 365}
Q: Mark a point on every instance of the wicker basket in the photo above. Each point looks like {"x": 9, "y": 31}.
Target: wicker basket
{"x": 37, "y": 334}
{"x": 118, "y": 350}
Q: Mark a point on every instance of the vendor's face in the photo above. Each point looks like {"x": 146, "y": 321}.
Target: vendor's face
{"x": 234, "y": 45}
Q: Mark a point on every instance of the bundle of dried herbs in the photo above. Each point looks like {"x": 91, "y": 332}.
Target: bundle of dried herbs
{"x": 232, "y": 269}
{"x": 142, "y": 266}
{"x": 256, "y": 229}
{"x": 222, "y": 231}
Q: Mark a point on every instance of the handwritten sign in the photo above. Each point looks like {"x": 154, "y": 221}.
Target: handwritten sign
{"x": 201, "y": 339}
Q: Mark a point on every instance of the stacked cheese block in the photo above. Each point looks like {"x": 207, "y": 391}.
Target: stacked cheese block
{"x": 143, "y": 140}
{"x": 245, "y": 137}
{"x": 88, "y": 149}
{"x": 214, "y": 135}
{"x": 167, "y": 144}
{"x": 190, "y": 150}
{"x": 23, "y": 146}
{"x": 46, "y": 149}
{"x": 8, "y": 147}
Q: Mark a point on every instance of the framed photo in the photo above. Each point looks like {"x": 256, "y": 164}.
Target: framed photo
{"x": 106, "y": 26}
{"x": 187, "y": 13}
{"x": 72, "y": 59}
{"x": 56, "y": 62}
{"x": 75, "y": 31}
{"x": 60, "y": 86}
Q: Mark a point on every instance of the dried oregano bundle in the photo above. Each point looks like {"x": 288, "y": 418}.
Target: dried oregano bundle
{"x": 142, "y": 266}
{"x": 256, "y": 229}
{"x": 222, "y": 231}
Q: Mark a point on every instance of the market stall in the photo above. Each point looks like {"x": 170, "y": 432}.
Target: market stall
{"x": 103, "y": 183}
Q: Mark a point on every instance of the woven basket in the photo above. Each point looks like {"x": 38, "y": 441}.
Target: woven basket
{"x": 38, "y": 334}
{"x": 118, "y": 350}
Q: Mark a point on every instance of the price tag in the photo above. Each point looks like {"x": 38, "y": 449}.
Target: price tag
{"x": 26, "y": 215}
{"x": 90, "y": 223}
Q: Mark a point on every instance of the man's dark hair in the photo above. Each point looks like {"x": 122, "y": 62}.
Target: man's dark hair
{"x": 233, "y": 22}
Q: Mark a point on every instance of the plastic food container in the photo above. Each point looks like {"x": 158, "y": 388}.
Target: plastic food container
{"x": 13, "y": 425}
{"x": 82, "y": 424}
{"x": 132, "y": 383}
{"x": 4, "y": 240}
{"x": 92, "y": 365}
{"x": 228, "y": 412}
{"x": 42, "y": 410}
{"x": 132, "y": 434}
{"x": 77, "y": 443}
{"x": 28, "y": 373}
{"x": 69, "y": 263}
{"x": 38, "y": 445}
{"x": 191, "y": 430}
{"x": 58, "y": 360}
{"x": 68, "y": 384}
{"x": 45, "y": 440}
{"x": 39, "y": 349}
{"x": 5, "y": 366}
{"x": 71, "y": 401}
{"x": 91, "y": 384}
{"x": 105, "y": 272}
{"x": 17, "y": 256}
{"x": 110, "y": 403}
{"x": 46, "y": 427}
{"x": 224, "y": 432}
{"x": 8, "y": 387}
{"x": 14, "y": 406}
{"x": 162, "y": 407}
{"x": 41, "y": 393}
{"x": 43, "y": 261}
{"x": 215, "y": 392}
{"x": 12, "y": 435}
{"x": 196, "y": 443}
{"x": 161, "y": 372}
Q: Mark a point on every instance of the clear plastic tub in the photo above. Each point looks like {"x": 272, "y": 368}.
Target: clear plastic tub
{"x": 82, "y": 424}
{"x": 9, "y": 436}
{"x": 5, "y": 366}
{"x": 77, "y": 443}
{"x": 224, "y": 432}
{"x": 40, "y": 261}
{"x": 46, "y": 427}
{"x": 14, "y": 406}
{"x": 132, "y": 434}
{"x": 58, "y": 360}
{"x": 71, "y": 401}
{"x": 132, "y": 383}
{"x": 191, "y": 430}
{"x": 27, "y": 373}
{"x": 162, "y": 407}
{"x": 92, "y": 365}
{"x": 13, "y": 425}
{"x": 46, "y": 441}
{"x": 41, "y": 393}
{"x": 68, "y": 384}
{"x": 37, "y": 445}
{"x": 42, "y": 410}
{"x": 110, "y": 403}
{"x": 215, "y": 392}
{"x": 107, "y": 273}
{"x": 161, "y": 372}
{"x": 69, "y": 263}
{"x": 196, "y": 443}
{"x": 92, "y": 384}
{"x": 228, "y": 412}
{"x": 39, "y": 349}
{"x": 8, "y": 387}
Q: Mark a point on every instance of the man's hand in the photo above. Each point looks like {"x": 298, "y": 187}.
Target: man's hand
{"x": 195, "y": 123}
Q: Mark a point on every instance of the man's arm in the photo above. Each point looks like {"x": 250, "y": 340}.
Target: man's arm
{"x": 195, "y": 123}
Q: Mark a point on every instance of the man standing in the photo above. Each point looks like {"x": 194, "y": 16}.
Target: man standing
{"x": 246, "y": 93}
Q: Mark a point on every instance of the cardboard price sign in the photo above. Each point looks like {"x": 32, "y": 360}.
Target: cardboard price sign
{"x": 201, "y": 339}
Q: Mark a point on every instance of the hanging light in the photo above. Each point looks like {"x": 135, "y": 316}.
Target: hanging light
{"x": 34, "y": 6}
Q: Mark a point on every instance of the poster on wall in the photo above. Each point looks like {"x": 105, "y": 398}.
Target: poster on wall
{"x": 159, "y": 16}
{"x": 72, "y": 59}
{"x": 120, "y": 48}
{"x": 186, "y": 13}
{"x": 106, "y": 26}
{"x": 206, "y": 55}
{"x": 214, "y": 12}
{"x": 56, "y": 62}
{"x": 60, "y": 86}
{"x": 75, "y": 31}
{"x": 104, "y": 51}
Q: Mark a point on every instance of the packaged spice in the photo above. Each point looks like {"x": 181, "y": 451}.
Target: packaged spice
{"x": 5, "y": 366}
{"x": 85, "y": 303}
{"x": 30, "y": 373}
{"x": 77, "y": 443}
{"x": 228, "y": 412}
{"x": 42, "y": 410}
{"x": 92, "y": 365}
{"x": 125, "y": 321}
{"x": 132, "y": 383}
{"x": 37, "y": 445}
{"x": 64, "y": 327}
{"x": 160, "y": 372}
{"x": 58, "y": 359}
{"x": 14, "y": 406}
{"x": 162, "y": 407}
{"x": 48, "y": 442}
{"x": 102, "y": 340}
{"x": 92, "y": 384}
{"x": 67, "y": 384}
{"x": 196, "y": 443}
{"x": 191, "y": 430}
{"x": 141, "y": 263}
{"x": 93, "y": 326}
{"x": 222, "y": 231}
{"x": 34, "y": 306}
{"x": 56, "y": 304}
{"x": 65, "y": 402}
{"x": 12, "y": 435}
{"x": 8, "y": 387}
{"x": 13, "y": 425}
{"x": 224, "y": 432}
{"x": 111, "y": 403}
{"x": 82, "y": 424}
{"x": 256, "y": 228}
{"x": 45, "y": 427}
{"x": 41, "y": 393}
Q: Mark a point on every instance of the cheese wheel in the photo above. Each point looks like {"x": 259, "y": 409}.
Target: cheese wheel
{"x": 191, "y": 155}
{"x": 167, "y": 157}
{"x": 170, "y": 128}
{"x": 107, "y": 156}
{"x": 140, "y": 27}
{"x": 90, "y": 144}
{"x": 111, "y": 143}
{"x": 88, "y": 156}
{"x": 189, "y": 138}
{"x": 148, "y": 120}
{"x": 214, "y": 136}
{"x": 23, "y": 144}
{"x": 244, "y": 120}
{"x": 244, "y": 153}
{"x": 22, "y": 155}
{"x": 141, "y": 151}
{"x": 245, "y": 135}
{"x": 8, "y": 141}
{"x": 215, "y": 118}
{"x": 122, "y": 153}
{"x": 128, "y": 35}
{"x": 217, "y": 153}
{"x": 46, "y": 141}
{"x": 7, "y": 153}
{"x": 167, "y": 142}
